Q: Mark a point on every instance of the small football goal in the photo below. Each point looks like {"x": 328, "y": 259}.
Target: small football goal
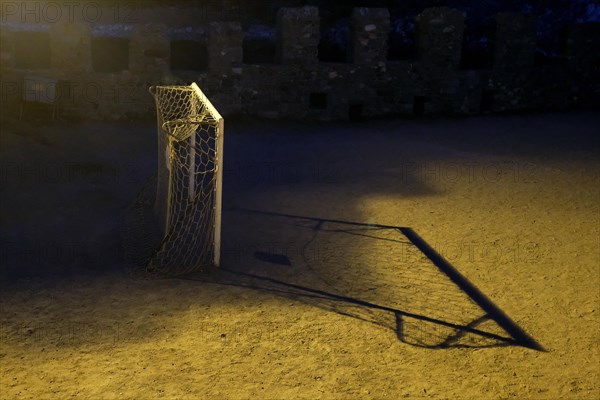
{"x": 189, "y": 180}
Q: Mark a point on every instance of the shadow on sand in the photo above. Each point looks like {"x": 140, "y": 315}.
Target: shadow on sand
{"x": 386, "y": 275}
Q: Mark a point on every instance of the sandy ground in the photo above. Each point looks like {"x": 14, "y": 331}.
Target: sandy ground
{"x": 512, "y": 203}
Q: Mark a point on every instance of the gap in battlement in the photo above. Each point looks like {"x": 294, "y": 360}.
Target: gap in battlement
{"x": 334, "y": 44}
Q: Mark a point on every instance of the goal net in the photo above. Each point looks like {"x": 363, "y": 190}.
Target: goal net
{"x": 188, "y": 184}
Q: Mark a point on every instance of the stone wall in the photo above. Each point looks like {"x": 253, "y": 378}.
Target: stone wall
{"x": 138, "y": 55}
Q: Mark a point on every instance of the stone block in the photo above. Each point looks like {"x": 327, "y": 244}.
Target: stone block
{"x": 370, "y": 29}
{"x": 298, "y": 35}
{"x": 439, "y": 37}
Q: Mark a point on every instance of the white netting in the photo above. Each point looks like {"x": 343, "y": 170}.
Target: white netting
{"x": 187, "y": 189}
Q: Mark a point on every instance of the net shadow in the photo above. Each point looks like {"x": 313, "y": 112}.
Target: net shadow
{"x": 385, "y": 275}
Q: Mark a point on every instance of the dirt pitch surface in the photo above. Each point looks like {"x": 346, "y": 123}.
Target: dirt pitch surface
{"x": 453, "y": 259}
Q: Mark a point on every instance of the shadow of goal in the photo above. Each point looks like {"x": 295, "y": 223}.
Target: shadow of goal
{"x": 386, "y": 275}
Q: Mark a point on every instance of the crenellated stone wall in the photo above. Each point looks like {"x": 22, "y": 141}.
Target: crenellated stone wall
{"x": 104, "y": 71}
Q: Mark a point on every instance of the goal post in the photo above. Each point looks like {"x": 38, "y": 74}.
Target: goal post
{"x": 219, "y": 193}
{"x": 189, "y": 180}
{"x": 218, "y": 206}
